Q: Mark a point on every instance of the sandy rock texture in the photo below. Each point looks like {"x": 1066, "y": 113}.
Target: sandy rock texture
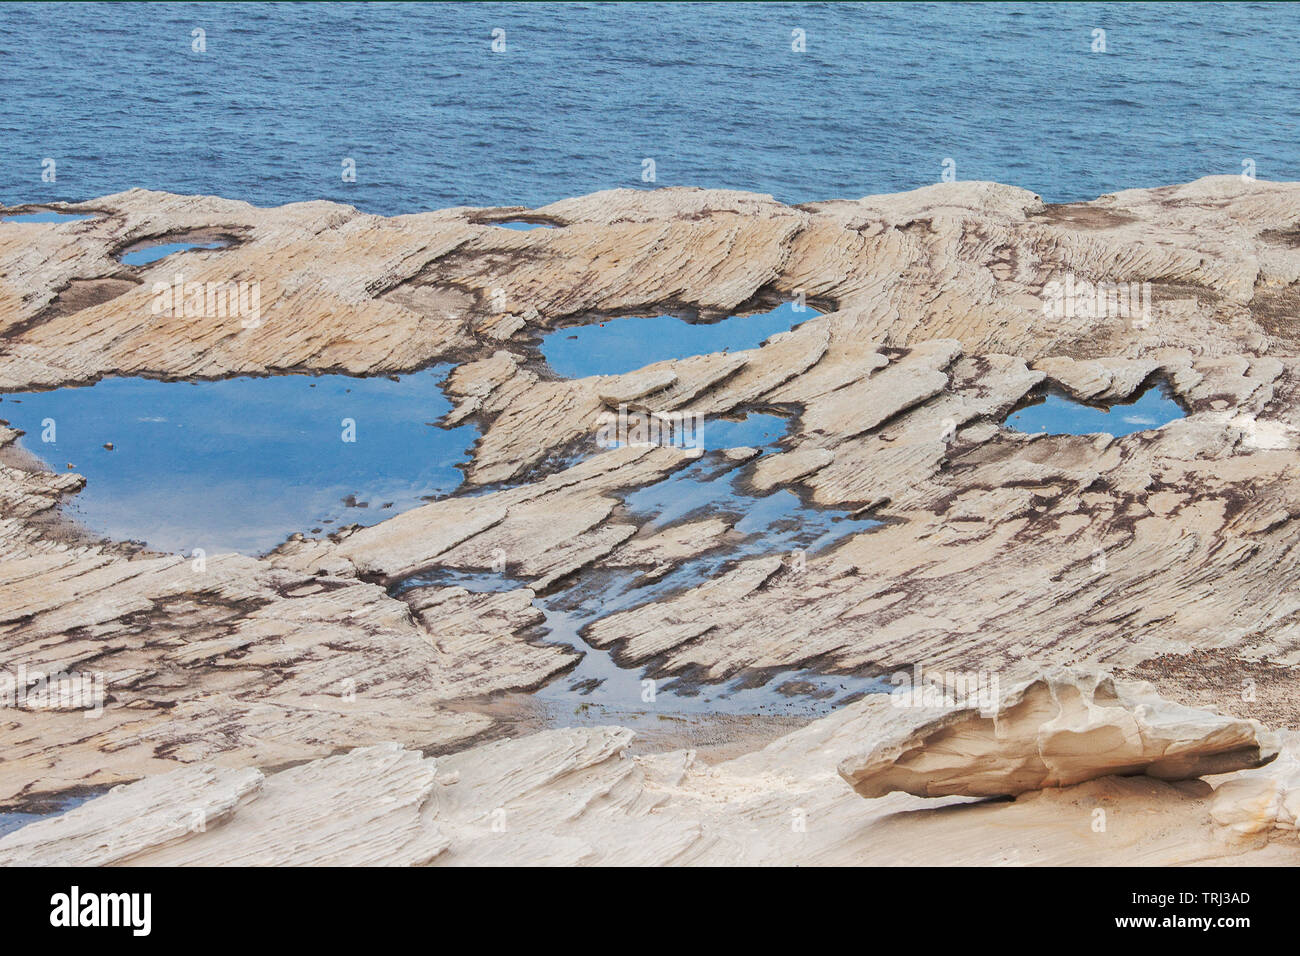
{"x": 1061, "y": 729}
{"x": 1256, "y": 803}
{"x": 227, "y": 657}
{"x": 578, "y": 797}
{"x": 998, "y": 551}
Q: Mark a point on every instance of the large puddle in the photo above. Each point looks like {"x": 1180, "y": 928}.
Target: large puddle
{"x": 241, "y": 464}
{"x": 1057, "y": 414}
{"x": 626, "y": 344}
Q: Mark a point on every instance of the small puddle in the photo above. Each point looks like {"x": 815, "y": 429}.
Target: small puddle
{"x": 598, "y": 686}
{"x": 711, "y": 433}
{"x": 241, "y": 464}
{"x": 1058, "y": 414}
{"x": 778, "y": 521}
{"x": 11, "y": 820}
{"x": 148, "y": 254}
{"x": 597, "y": 682}
{"x": 626, "y": 344}
{"x": 521, "y": 225}
{"x": 46, "y": 216}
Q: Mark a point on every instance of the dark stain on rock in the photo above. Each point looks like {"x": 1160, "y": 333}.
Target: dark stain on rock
{"x": 77, "y": 295}
{"x": 1082, "y": 216}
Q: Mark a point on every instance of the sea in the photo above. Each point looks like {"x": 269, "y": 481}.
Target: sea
{"x": 399, "y": 108}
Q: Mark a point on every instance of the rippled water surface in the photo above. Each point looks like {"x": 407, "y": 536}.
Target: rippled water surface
{"x": 582, "y": 94}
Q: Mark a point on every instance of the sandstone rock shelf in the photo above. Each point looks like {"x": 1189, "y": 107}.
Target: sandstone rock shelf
{"x": 998, "y": 551}
{"x": 579, "y": 797}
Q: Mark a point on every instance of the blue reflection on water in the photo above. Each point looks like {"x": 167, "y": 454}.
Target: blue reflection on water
{"x": 1058, "y": 415}
{"x": 241, "y": 464}
{"x": 623, "y": 345}
{"x": 520, "y": 225}
{"x": 49, "y": 216}
{"x": 142, "y": 257}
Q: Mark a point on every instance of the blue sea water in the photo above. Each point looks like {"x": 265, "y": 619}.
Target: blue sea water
{"x": 582, "y": 93}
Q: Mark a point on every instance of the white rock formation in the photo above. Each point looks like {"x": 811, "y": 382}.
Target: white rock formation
{"x": 934, "y": 329}
{"x": 1060, "y": 729}
{"x": 579, "y": 796}
{"x": 1268, "y": 798}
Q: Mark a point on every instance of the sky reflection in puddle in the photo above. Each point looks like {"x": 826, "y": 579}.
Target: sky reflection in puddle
{"x": 48, "y": 215}
{"x": 1059, "y": 415}
{"x": 241, "y": 464}
{"x": 148, "y": 254}
{"x": 616, "y": 346}
{"x": 777, "y": 523}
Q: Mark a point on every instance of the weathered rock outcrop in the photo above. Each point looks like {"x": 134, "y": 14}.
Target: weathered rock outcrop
{"x": 1254, "y": 803}
{"x": 1059, "y": 729}
{"x": 578, "y": 796}
{"x": 997, "y": 548}
{"x": 224, "y": 658}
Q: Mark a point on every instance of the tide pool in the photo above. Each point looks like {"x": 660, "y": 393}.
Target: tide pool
{"x": 1059, "y": 415}
{"x": 626, "y": 344}
{"x": 148, "y": 254}
{"x": 47, "y": 216}
{"x": 778, "y": 523}
{"x": 241, "y": 464}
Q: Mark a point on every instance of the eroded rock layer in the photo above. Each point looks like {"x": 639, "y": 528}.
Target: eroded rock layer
{"x": 1060, "y": 729}
{"x": 998, "y": 550}
{"x": 579, "y": 797}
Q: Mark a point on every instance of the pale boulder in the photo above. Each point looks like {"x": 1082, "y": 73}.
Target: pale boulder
{"x": 1058, "y": 729}
{"x": 1262, "y": 800}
